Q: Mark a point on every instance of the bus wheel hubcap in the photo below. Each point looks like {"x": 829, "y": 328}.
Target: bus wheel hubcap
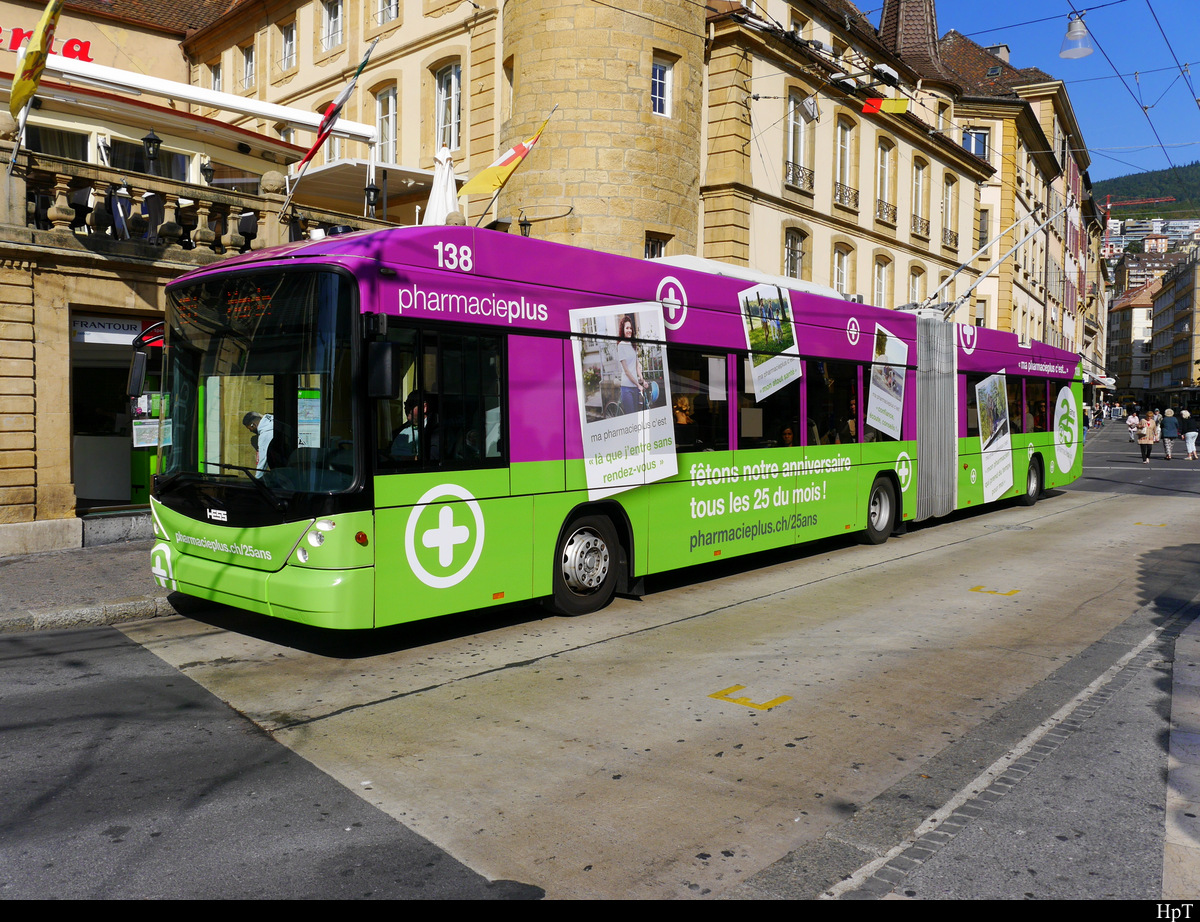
{"x": 585, "y": 561}
{"x": 879, "y": 509}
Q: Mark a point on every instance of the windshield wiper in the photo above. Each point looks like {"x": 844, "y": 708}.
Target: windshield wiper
{"x": 278, "y": 504}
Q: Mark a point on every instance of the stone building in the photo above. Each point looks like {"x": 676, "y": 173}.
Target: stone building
{"x": 787, "y": 136}
{"x": 1176, "y": 340}
{"x": 78, "y": 281}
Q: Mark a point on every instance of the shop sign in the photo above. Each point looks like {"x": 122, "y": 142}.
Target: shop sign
{"x": 104, "y": 330}
{"x": 69, "y": 48}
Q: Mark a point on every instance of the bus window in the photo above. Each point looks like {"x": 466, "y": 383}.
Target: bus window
{"x": 1016, "y": 408}
{"x": 833, "y": 411}
{"x": 1036, "y": 403}
{"x": 699, "y": 400}
{"x": 771, "y": 422}
{"x": 451, "y": 415}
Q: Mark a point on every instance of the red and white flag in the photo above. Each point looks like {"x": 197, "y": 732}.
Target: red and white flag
{"x": 335, "y": 109}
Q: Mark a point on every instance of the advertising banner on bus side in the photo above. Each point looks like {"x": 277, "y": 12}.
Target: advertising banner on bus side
{"x": 624, "y": 394}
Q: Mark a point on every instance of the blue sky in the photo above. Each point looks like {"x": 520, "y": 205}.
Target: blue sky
{"x": 1120, "y": 137}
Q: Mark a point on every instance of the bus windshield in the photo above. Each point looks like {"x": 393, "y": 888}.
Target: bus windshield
{"x": 259, "y": 377}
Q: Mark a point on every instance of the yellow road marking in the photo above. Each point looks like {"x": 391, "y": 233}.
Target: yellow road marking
{"x": 994, "y": 591}
{"x": 723, "y": 695}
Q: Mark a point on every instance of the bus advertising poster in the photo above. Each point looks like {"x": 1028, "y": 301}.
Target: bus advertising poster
{"x": 995, "y": 442}
{"x": 885, "y": 410}
{"x": 770, "y": 337}
{"x": 624, "y": 393}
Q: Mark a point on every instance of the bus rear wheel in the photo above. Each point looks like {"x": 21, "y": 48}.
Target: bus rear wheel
{"x": 585, "y": 567}
{"x": 881, "y": 510}
{"x": 1033, "y": 483}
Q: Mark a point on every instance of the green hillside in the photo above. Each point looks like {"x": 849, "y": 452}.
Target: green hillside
{"x": 1182, "y": 182}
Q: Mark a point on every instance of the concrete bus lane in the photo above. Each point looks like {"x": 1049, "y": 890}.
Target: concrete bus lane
{"x": 681, "y": 744}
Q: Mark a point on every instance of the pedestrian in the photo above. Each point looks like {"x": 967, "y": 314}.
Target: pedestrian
{"x": 1147, "y": 435}
{"x": 1189, "y": 427}
{"x": 1169, "y": 431}
{"x": 1133, "y": 423}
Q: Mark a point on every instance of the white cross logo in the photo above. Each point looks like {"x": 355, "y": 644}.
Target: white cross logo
{"x": 160, "y": 566}
{"x": 904, "y": 470}
{"x": 967, "y": 337}
{"x": 852, "y": 331}
{"x": 445, "y": 536}
{"x": 674, "y": 300}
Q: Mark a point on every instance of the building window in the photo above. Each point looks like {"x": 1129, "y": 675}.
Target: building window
{"x": 661, "y": 71}
{"x": 916, "y": 286}
{"x": 797, "y": 171}
{"x": 976, "y": 141}
{"x": 845, "y": 151}
{"x": 656, "y": 246}
{"x": 386, "y": 10}
{"x": 985, "y": 228}
{"x": 385, "y": 124}
{"x": 794, "y": 243}
{"x": 248, "y": 67}
{"x": 949, "y": 211}
{"x": 215, "y": 78}
{"x": 883, "y": 272}
{"x": 843, "y": 272}
{"x": 331, "y": 24}
{"x": 844, "y": 191}
{"x": 447, "y": 106}
{"x": 287, "y": 46}
{"x": 885, "y": 170}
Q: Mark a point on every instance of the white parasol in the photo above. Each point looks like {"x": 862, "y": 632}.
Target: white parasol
{"x": 443, "y": 196}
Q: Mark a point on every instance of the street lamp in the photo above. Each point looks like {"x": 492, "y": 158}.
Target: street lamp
{"x": 207, "y": 170}
{"x": 150, "y": 145}
{"x": 525, "y": 224}
{"x": 1077, "y": 43}
{"x": 372, "y": 193}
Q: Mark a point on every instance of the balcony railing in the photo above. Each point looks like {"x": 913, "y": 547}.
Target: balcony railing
{"x": 845, "y": 196}
{"x": 949, "y": 238}
{"x": 122, "y": 208}
{"x": 920, "y": 226}
{"x": 799, "y": 176}
{"x": 885, "y": 211}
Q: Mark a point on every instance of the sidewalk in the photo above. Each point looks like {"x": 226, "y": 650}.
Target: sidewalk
{"x": 80, "y": 586}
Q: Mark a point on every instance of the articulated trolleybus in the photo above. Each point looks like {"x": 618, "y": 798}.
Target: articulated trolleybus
{"x": 382, "y": 427}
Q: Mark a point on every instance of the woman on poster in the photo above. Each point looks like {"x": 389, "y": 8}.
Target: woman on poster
{"x": 632, "y": 382}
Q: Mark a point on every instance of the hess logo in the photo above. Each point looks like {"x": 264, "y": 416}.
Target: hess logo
{"x": 217, "y": 515}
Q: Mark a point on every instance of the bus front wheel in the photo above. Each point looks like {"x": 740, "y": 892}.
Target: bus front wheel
{"x": 585, "y": 567}
{"x": 881, "y": 509}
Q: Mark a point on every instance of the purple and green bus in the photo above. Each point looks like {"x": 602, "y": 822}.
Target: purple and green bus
{"x": 381, "y": 427}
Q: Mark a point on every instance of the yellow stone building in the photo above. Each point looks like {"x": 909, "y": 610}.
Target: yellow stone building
{"x": 791, "y": 137}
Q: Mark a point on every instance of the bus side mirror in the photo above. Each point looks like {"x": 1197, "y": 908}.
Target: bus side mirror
{"x": 137, "y": 375}
{"x": 383, "y": 370}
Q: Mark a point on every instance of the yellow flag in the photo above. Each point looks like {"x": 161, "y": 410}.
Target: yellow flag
{"x": 32, "y": 59}
{"x": 496, "y": 174}
{"x": 895, "y": 106}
